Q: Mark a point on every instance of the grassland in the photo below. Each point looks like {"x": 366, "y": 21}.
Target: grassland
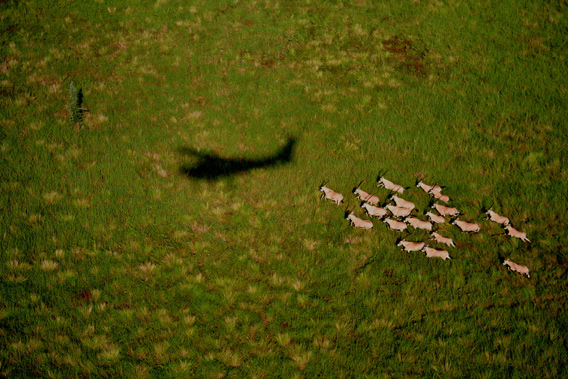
{"x": 115, "y": 263}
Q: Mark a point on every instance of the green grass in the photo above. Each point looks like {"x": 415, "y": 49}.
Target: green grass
{"x": 115, "y": 264}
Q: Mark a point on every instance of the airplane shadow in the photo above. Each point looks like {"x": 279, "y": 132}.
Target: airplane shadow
{"x": 213, "y": 167}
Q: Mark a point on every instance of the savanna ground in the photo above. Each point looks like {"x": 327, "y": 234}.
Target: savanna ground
{"x": 115, "y": 262}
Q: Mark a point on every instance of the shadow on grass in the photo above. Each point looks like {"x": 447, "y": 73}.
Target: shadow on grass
{"x": 213, "y": 167}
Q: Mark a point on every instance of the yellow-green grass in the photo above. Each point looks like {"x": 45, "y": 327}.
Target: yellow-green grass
{"x": 115, "y": 263}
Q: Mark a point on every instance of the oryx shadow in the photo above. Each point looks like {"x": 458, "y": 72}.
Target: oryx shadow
{"x": 213, "y": 167}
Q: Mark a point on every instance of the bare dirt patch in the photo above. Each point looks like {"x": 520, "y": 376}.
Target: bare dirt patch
{"x": 407, "y": 57}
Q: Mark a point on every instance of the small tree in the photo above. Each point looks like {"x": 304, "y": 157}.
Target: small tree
{"x": 75, "y": 105}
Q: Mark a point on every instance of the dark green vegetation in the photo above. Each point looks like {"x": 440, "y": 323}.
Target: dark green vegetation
{"x": 114, "y": 262}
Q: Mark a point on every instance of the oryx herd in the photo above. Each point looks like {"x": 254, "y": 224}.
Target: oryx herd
{"x": 398, "y": 216}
